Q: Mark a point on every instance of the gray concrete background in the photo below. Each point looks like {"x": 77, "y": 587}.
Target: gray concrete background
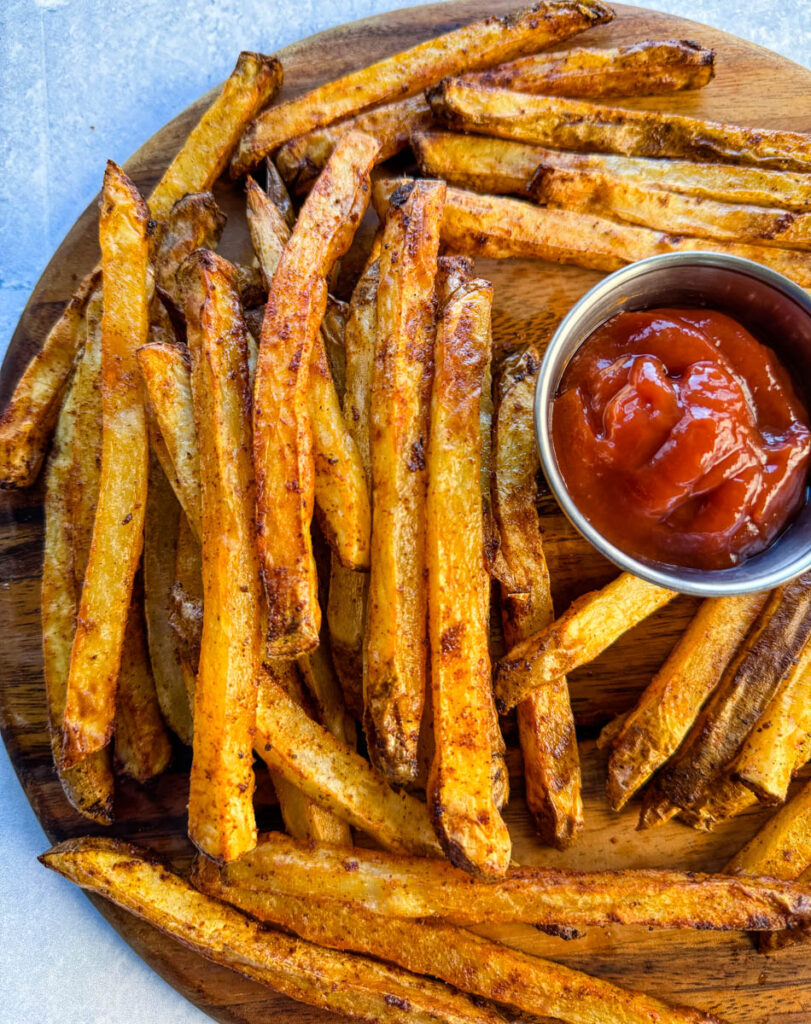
{"x": 81, "y": 81}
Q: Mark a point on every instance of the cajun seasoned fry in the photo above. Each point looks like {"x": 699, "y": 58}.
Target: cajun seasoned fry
{"x": 186, "y": 599}
{"x": 500, "y": 166}
{"x": 642, "y": 69}
{"x": 592, "y": 127}
{"x": 413, "y": 887}
{"x": 592, "y": 623}
{"x": 194, "y": 222}
{"x": 395, "y": 667}
{"x": 545, "y": 721}
{"x": 119, "y": 517}
{"x": 459, "y": 957}
{"x": 352, "y": 985}
{"x": 751, "y": 679}
{"x": 406, "y": 74}
{"x": 221, "y": 818}
{"x": 782, "y": 848}
{"x": 68, "y": 515}
{"x": 333, "y": 775}
{"x": 282, "y": 438}
{"x": 277, "y": 193}
{"x": 726, "y": 799}
{"x": 665, "y": 712}
{"x": 460, "y": 792}
{"x": 322, "y": 682}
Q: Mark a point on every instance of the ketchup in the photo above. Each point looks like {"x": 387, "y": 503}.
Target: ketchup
{"x": 680, "y": 437}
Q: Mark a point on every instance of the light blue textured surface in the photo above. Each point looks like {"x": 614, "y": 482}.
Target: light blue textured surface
{"x": 81, "y": 81}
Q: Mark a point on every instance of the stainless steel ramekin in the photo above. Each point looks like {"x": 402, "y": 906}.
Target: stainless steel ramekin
{"x": 772, "y": 307}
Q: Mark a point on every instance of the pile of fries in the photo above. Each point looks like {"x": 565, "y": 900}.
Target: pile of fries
{"x": 273, "y": 520}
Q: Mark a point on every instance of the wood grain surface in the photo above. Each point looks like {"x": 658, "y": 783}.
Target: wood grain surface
{"x": 718, "y": 972}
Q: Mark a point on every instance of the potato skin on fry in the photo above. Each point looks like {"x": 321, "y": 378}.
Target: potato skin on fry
{"x": 194, "y": 222}
{"x": 500, "y": 166}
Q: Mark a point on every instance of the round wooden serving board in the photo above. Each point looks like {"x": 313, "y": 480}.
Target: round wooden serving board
{"x": 717, "y": 972}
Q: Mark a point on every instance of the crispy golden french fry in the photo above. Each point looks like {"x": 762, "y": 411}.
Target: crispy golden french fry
{"x": 71, "y": 491}
{"x": 593, "y": 622}
{"x": 300, "y": 159}
{"x": 221, "y": 818}
{"x": 664, "y": 714}
{"x": 282, "y": 433}
{"x": 726, "y": 799}
{"x": 460, "y": 791}
{"x": 406, "y": 74}
{"x": 782, "y": 848}
{"x": 319, "y": 675}
{"x": 277, "y": 193}
{"x": 592, "y": 127}
{"x": 119, "y": 518}
{"x": 650, "y": 206}
{"x": 142, "y": 747}
{"x": 469, "y": 962}
{"x": 641, "y": 69}
{"x": 352, "y": 985}
{"x": 194, "y": 222}
{"x": 545, "y": 721}
{"x": 395, "y": 656}
{"x": 751, "y": 679}
{"x": 482, "y": 164}
{"x": 335, "y": 776}
{"x": 414, "y": 887}
{"x": 769, "y": 756}
{"x": 161, "y": 528}
{"x": 166, "y": 374}
{"x": 502, "y": 228}
{"x": 657, "y": 809}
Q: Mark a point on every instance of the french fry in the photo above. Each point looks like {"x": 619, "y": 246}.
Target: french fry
{"x": 352, "y": 985}
{"x": 593, "y": 622}
{"x": 751, "y": 679}
{"x": 221, "y": 817}
{"x": 500, "y": 166}
{"x": 413, "y": 887}
{"x": 194, "y": 222}
{"x": 592, "y": 127}
{"x": 500, "y": 228}
{"x": 89, "y": 785}
{"x": 458, "y": 957}
{"x": 460, "y": 791}
{"x": 333, "y": 327}
{"x": 545, "y": 721}
{"x": 322, "y": 682}
{"x": 726, "y": 799}
{"x": 650, "y": 206}
{"x": 406, "y": 74}
{"x": 664, "y": 714}
{"x": 29, "y": 418}
{"x": 161, "y": 527}
{"x": 187, "y": 596}
{"x": 282, "y": 434}
{"x": 119, "y": 518}
{"x": 395, "y": 657}
{"x": 331, "y": 773}
{"x": 769, "y": 756}
{"x": 142, "y": 747}
{"x": 300, "y": 159}
{"x": 277, "y": 193}
{"x": 165, "y": 371}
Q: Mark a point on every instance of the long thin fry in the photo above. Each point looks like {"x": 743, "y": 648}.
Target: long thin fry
{"x": 119, "y": 519}
{"x": 352, "y": 985}
{"x": 405, "y": 74}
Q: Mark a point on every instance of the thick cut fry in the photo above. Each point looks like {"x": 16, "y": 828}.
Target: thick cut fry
{"x": 482, "y": 164}
{"x": 301, "y": 159}
{"x": 665, "y": 712}
{"x": 282, "y": 435}
{"x": 352, "y": 985}
{"x": 194, "y": 222}
{"x": 592, "y": 127}
{"x": 331, "y": 773}
{"x": 406, "y": 74}
{"x": 161, "y": 527}
{"x": 782, "y": 848}
{"x": 726, "y": 799}
{"x": 396, "y": 630}
{"x": 119, "y": 519}
{"x": 594, "y": 622}
{"x": 277, "y": 193}
{"x": 500, "y": 228}
{"x": 650, "y": 206}
{"x": 460, "y": 792}
{"x": 766, "y": 657}
{"x": 142, "y": 747}
{"x": 319, "y": 676}
{"x": 769, "y": 756}
{"x": 165, "y": 370}
{"x": 221, "y": 818}
{"x": 413, "y": 887}
{"x": 545, "y": 721}
{"x": 186, "y": 604}
{"x": 89, "y": 785}
{"x": 458, "y": 957}
{"x": 641, "y": 69}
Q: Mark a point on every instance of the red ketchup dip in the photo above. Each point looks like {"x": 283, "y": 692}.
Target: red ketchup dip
{"x": 680, "y": 437}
